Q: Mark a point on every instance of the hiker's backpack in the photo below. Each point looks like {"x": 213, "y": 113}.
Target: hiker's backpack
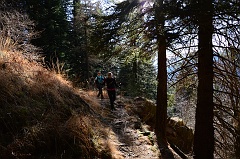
{"x": 100, "y": 79}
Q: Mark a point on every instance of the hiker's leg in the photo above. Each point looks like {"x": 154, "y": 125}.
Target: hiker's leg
{"x": 114, "y": 95}
{"x": 110, "y": 95}
{"x": 99, "y": 90}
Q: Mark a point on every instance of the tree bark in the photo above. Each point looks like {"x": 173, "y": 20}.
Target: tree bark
{"x": 204, "y": 132}
{"x": 161, "y": 111}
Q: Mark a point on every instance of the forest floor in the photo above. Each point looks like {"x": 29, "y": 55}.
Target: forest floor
{"x": 132, "y": 138}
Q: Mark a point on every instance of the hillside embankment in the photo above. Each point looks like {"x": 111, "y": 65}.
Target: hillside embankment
{"x": 44, "y": 116}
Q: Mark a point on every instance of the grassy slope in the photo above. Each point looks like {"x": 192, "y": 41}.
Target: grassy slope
{"x": 42, "y": 115}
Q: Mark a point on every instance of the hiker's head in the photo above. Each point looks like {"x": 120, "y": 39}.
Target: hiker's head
{"x": 109, "y": 74}
{"x": 99, "y": 73}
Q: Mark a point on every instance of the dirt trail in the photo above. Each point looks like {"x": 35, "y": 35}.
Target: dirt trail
{"x": 127, "y": 137}
{"x": 131, "y": 137}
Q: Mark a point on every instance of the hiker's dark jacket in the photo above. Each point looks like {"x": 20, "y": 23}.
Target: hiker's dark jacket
{"x": 111, "y": 83}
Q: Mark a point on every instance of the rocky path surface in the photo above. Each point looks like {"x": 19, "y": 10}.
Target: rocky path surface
{"x": 132, "y": 138}
{"x": 127, "y": 136}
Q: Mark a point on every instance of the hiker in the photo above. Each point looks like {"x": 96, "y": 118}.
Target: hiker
{"x": 99, "y": 82}
{"x": 111, "y": 89}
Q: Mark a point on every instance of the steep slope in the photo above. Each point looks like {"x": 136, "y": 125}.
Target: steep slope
{"x": 42, "y": 115}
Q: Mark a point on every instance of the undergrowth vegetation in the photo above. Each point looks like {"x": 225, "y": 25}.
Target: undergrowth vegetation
{"x": 42, "y": 115}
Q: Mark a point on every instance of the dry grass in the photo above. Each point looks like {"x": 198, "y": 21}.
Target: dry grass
{"x": 6, "y": 43}
{"x": 43, "y": 115}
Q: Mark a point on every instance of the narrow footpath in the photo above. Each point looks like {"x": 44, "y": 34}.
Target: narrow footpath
{"x": 131, "y": 137}
{"x": 127, "y": 136}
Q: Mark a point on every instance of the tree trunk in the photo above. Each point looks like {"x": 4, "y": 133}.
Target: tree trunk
{"x": 234, "y": 87}
{"x": 204, "y": 132}
{"x": 237, "y": 142}
{"x": 86, "y": 59}
{"x": 161, "y": 111}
